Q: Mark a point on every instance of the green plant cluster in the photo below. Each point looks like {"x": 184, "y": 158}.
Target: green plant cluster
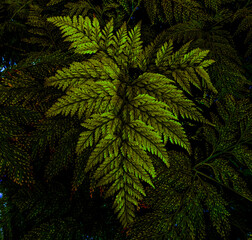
{"x": 126, "y": 119}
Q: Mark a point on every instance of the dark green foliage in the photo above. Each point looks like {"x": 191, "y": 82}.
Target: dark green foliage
{"x": 118, "y": 114}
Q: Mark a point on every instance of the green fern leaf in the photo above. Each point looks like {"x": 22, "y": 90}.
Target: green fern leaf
{"x": 182, "y": 66}
{"x": 206, "y": 77}
{"x": 162, "y": 88}
{"x": 68, "y": 77}
{"x": 149, "y": 109}
{"x": 80, "y": 32}
{"x": 167, "y": 6}
{"x": 243, "y": 155}
{"x": 134, "y": 45}
{"x": 164, "y": 53}
{"x": 227, "y": 174}
{"x": 118, "y": 46}
{"x": 218, "y": 212}
{"x": 103, "y": 149}
{"x": 82, "y": 98}
{"x": 126, "y": 116}
{"x": 181, "y": 80}
{"x": 99, "y": 125}
{"x": 107, "y": 34}
{"x": 139, "y": 170}
{"x": 147, "y": 138}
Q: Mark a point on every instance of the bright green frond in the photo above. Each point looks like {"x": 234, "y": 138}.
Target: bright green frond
{"x": 103, "y": 150}
{"x": 179, "y": 55}
{"x": 107, "y": 34}
{"x": 206, "y": 63}
{"x": 161, "y": 120}
{"x": 99, "y": 125}
{"x": 180, "y": 78}
{"x": 96, "y": 35}
{"x": 68, "y": 104}
{"x": 152, "y": 83}
{"x": 180, "y": 105}
{"x": 191, "y": 55}
{"x": 104, "y": 68}
{"x": 134, "y": 45}
{"x": 138, "y": 162}
{"x": 173, "y": 131}
{"x": 164, "y": 53}
{"x": 164, "y": 90}
{"x": 82, "y": 72}
{"x": 203, "y": 73}
{"x": 147, "y": 138}
{"x": 126, "y": 198}
{"x": 118, "y": 46}
{"x": 181, "y": 66}
{"x": 199, "y": 57}
{"x": 146, "y": 102}
{"x": 108, "y": 172}
{"x": 129, "y": 114}
{"x": 190, "y": 75}
{"x": 85, "y": 38}
{"x": 86, "y": 97}
{"x": 68, "y": 77}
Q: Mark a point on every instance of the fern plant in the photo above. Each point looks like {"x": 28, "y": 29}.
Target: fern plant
{"x": 185, "y": 191}
{"x": 128, "y": 111}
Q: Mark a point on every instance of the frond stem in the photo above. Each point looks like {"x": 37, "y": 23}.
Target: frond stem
{"x": 222, "y": 184}
{"x": 133, "y": 11}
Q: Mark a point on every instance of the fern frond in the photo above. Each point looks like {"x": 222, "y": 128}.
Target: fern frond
{"x": 151, "y": 8}
{"x": 77, "y": 8}
{"x": 140, "y": 171}
{"x": 100, "y": 125}
{"x": 84, "y": 98}
{"x": 124, "y": 122}
{"x": 57, "y": 227}
{"x": 244, "y": 25}
{"x": 174, "y": 189}
{"x": 84, "y": 36}
{"x": 81, "y": 73}
{"x": 119, "y": 45}
{"x": 213, "y": 4}
{"x": 163, "y": 89}
{"x": 104, "y": 149}
{"x": 53, "y": 2}
{"x": 203, "y": 73}
{"x": 217, "y": 208}
{"x": 187, "y": 64}
{"x": 164, "y": 53}
{"x": 145, "y": 56}
{"x": 134, "y": 45}
{"x": 147, "y": 138}
{"x": 243, "y": 155}
{"x": 107, "y": 34}
{"x": 150, "y": 110}
{"x": 226, "y": 174}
